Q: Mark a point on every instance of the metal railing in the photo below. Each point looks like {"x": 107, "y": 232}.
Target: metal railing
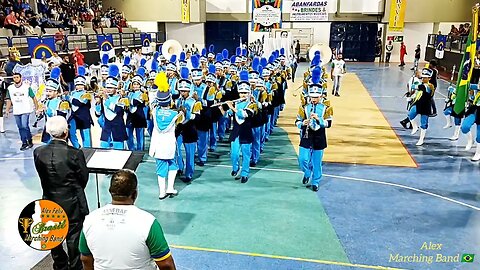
{"x": 453, "y": 44}
{"x": 86, "y": 42}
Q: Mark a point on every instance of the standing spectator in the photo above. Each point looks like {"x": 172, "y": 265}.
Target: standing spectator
{"x": 297, "y": 49}
{"x": 338, "y": 69}
{"x": 68, "y": 73}
{"x": 294, "y": 64}
{"x": 417, "y": 57}
{"x": 3, "y": 95}
{"x": 453, "y": 31}
{"x": 64, "y": 175}
{"x": 97, "y": 24}
{"x": 78, "y": 58}
{"x": 56, "y": 60}
{"x": 60, "y": 39}
{"x": 403, "y": 52}
{"x": 388, "y": 49}
{"x": 122, "y": 224}
{"x": 12, "y": 23}
{"x": 21, "y": 95}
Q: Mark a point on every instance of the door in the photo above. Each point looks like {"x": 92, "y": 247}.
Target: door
{"x": 226, "y": 35}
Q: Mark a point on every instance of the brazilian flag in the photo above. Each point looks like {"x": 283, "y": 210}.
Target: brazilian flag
{"x": 468, "y": 258}
{"x": 466, "y": 68}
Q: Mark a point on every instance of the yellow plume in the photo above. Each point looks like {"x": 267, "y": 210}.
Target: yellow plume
{"x": 40, "y": 91}
{"x": 161, "y": 82}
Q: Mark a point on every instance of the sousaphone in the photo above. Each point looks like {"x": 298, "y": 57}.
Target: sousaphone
{"x": 325, "y": 53}
{"x": 171, "y": 47}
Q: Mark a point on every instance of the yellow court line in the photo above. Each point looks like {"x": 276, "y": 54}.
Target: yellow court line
{"x": 284, "y": 257}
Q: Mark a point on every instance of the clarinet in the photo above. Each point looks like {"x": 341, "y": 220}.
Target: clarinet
{"x": 40, "y": 116}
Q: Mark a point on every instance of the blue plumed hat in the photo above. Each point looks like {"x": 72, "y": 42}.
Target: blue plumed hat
{"x": 315, "y": 89}
{"x": 138, "y": 78}
{"x": 197, "y": 73}
{"x": 184, "y": 84}
{"x": 53, "y": 83}
{"x": 211, "y": 51}
{"x": 172, "y": 64}
{"x": 80, "y": 79}
{"x": 225, "y": 61}
{"x": 233, "y": 66}
{"x": 104, "y": 66}
{"x": 254, "y": 74}
{"x": 244, "y": 84}
{"x": 153, "y": 70}
{"x": 211, "y": 77}
{"x": 112, "y": 79}
{"x": 218, "y": 61}
{"x": 182, "y": 62}
{"x": 126, "y": 68}
{"x": 203, "y": 57}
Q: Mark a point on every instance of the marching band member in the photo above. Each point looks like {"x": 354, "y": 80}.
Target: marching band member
{"x": 270, "y": 87}
{"x": 126, "y": 71}
{"x": 449, "y": 112}
{"x": 204, "y": 61}
{"x": 422, "y": 105}
{"x": 412, "y": 84}
{"x": 136, "y": 117}
{"x": 241, "y": 137}
{"x": 256, "y": 121}
{"x": 261, "y": 93}
{"x": 187, "y": 130}
{"x": 81, "y": 104}
{"x": 203, "y": 122}
{"x": 104, "y": 71}
{"x": 215, "y": 115}
{"x": 112, "y": 106}
{"x": 54, "y": 105}
{"x": 210, "y": 55}
{"x": 312, "y": 120}
{"x": 163, "y": 144}
{"x": 472, "y": 116}
{"x": 285, "y": 71}
{"x": 229, "y": 93}
{"x": 152, "y": 93}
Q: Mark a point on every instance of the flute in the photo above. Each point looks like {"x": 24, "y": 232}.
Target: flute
{"x": 225, "y": 102}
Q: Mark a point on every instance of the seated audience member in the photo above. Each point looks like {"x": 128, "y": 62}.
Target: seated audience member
{"x": 60, "y": 39}
{"x": 122, "y": 236}
{"x": 12, "y": 23}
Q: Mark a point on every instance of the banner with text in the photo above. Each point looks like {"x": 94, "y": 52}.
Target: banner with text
{"x": 309, "y": 10}
{"x": 397, "y": 15}
{"x": 185, "y": 11}
{"x": 266, "y": 15}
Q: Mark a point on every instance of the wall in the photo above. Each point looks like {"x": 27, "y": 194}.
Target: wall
{"x": 187, "y": 33}
{"x": 144, "y": 26}
{"x": 157, "y": 10}
{"x": 225, "y": 6}
{"x": 414, "y": 33}
{"x": 435, "y": 10}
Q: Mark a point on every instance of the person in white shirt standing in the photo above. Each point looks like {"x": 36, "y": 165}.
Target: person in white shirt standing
{"x": 338, "y": 69}
{"x": 21, "y": 96}
{"x": 122, "y": 236}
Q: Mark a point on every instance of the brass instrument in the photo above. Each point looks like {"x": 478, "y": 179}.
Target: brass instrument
{"x": 225, "y": 102}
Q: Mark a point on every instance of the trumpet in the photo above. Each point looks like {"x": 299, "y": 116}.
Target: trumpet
{"x": 225, "y": 102}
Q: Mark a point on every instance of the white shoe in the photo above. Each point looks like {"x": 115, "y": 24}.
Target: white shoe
{"x": 161, "y": 186}
{"x": 476, "y": 157}
{"x": 2, "y": 130}
{"x": 423, "y": 132}
{"x": 170, "y": 182}
{"x": 456, "y": 134}
{"x": 469, "y": 141}
{"x": 449, "y": 122}
{"x": 414, "y": 126}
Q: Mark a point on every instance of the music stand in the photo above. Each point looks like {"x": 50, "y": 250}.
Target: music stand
{"x": 111, "y": 161}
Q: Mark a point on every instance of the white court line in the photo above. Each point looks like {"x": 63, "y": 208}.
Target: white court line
{"x": 339, "y": 177}
{"x": 369, "y": 181}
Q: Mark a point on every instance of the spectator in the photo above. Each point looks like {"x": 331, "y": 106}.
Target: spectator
{"x": 417, "y": 57}
{"x": 12, "y": 23}
{"x": 68, "y": 73}
{"x": 388, "y": 49}
{"x": 294, "y": 64}
{"x": 63, "y": 181}
{"x": 453, "y": 31}
{"x": 22, "y": 108}
{"x": 78, "y": 58}
{"x": 97, "y": 24}
{"x": 56, "y": 60}
{"x": 137, "y": 232}
{"x": 60, "y": 39}
{"x": 403, "y": 52}
{"x": 297, "y": 49}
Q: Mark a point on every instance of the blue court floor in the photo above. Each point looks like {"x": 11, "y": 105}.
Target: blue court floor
{"x": 363, "y": 217}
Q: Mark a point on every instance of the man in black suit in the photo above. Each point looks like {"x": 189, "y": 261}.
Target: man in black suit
{"x": 63, "y": 174}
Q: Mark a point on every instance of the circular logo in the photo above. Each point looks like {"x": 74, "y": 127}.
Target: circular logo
{"x": 43, "y": 225}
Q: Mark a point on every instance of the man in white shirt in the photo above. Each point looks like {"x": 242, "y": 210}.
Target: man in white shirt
{"x": 122, "y": 236}
{"x": 21, "y": 96}
{"x": 338, "y": 69}
{"x": 55, "y": 59}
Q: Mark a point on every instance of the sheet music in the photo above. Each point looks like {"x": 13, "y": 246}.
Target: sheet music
{"x": 109, "y": 159}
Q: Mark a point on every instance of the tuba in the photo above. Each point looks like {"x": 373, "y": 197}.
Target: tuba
{"x": 325, "y": 53}
{"x": 171, "y": 47}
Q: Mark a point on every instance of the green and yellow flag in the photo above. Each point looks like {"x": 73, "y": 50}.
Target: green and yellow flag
{"x": 466, "y": 68}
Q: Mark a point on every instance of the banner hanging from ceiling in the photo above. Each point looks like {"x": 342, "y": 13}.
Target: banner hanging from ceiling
{"x": 397, "y": 15}
{"x": 309, "y": 10}
{"x": 185, "y": 11}
{"x": 266, "y": 15}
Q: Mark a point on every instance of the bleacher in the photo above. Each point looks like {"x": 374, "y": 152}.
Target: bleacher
{"x": 85, "y": 42}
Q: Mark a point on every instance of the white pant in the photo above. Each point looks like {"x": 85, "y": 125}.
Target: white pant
{"x": 336, "y": 84}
